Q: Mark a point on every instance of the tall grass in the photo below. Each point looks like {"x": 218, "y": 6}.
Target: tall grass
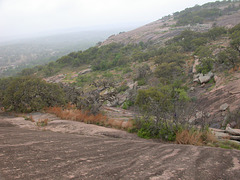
{"x": 197, "y": 137}
{"x": 71, "y": 113}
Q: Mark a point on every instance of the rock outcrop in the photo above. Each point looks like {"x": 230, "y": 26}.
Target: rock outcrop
{"x": 203, "y": 78}
{"x": 84, "y": 151}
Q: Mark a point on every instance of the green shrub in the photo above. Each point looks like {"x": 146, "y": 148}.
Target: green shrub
{"x": 27, "y": 94}
{"x": 122, "y": 88}
{"x": 229, "y": 57}
{"x": 227, "y": 145}
{"x": 205, "y": 66}
{"x": 141, "y": 82}
{"x": 83, "y": 79}
{"x": 150, "y": 129}
{"x": 203, "y": 52}
{"x": 108, "y": 75}
{"x": 127, "y": 70}
{"x": 216, "y": 32}
{"x": 160, "y": 111}
{"x": 127, "y": 104}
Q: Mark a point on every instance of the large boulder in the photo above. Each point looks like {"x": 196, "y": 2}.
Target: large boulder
{"x": 196, "y": 78}
{"x": 85, "y": 71}
{"x": 224, "y": 107}
{"x": 205, "y": 78}
{"x": 199, "y": 115}
{"x": 113, "y": 102}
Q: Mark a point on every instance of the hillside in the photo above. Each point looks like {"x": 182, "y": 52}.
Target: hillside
{"x": 174, "y": 74}
{"x": 167, "y": 27}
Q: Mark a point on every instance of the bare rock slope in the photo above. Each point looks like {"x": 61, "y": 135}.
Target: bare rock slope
{"x": 38, "y": 154}
{"x": 225, "y": 92}
{"x": 163, "y": 29}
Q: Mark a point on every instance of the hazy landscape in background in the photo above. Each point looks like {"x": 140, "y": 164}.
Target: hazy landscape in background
{"x": 36, "y": 32}
{"x": 18, "y": 54}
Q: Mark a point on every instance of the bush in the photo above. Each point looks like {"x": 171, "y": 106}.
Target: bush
{"x": 83, "y": 79}
{"x": 235, "y": 42}
{"x": 122, "y": 88}
{"x": 149, "y": 128}
{"x": 203, "y": 52}
{"x": 216, "y": 32}
{"x": 143, "y": 71}
{"x": 161, "y": 117}
{"x": 108, "y": 75}
{"x": 229, "y": 57}
{"x": 205, "y": 66}
{"x": 127, "y": 70}
{"x": 170, "y": 131}
{"x": 186, "y": 39}
{"x": 141, "y": 82}
{"x": 27, "y": 94}
{"x": 199, "y": 41}
{"x": 27, "y": 72}
{"x": 161, "y": 97}
{"x": 127, "y": 104}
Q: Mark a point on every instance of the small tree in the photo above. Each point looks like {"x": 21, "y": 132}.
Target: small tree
{"x": 160, "y": 108}
{"x": 229, "y": 57}
{"x": 143, "y": 71}
{"x": 203, "y": 52}
{"x": 216, "y": 32}
{"x": 235, "y": 43}
{"x": 167, "y": 72}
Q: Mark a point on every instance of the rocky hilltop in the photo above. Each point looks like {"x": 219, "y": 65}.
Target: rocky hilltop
{"x": 165, "y": 28}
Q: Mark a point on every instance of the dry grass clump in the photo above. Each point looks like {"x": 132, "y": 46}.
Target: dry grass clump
{"x": 71, "y": 113}
{"x": 30, "y": 118}
{"x": 42, "y": 122}
{"x": 204, "y": 137}
{"x": 77, "y": 115}
{"x": 197, "y": 138}
{"x": 2, "y": 109}
{"x": 185, "y": 137}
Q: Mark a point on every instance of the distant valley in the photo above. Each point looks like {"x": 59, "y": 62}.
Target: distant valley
{"x": 16, "y": 55}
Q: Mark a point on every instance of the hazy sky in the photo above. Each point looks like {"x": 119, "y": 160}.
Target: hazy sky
{"x": 28, "y": 17}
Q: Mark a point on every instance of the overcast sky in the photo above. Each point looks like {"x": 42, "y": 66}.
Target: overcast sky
{"x": 28, "y": 17}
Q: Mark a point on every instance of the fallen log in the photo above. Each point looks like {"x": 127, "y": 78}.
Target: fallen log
{"x": 235, "y": 138}
{"x": 220, "y": 135}
{"x": 233, "y": 141}
{"x": 232, "y": 93}
{"x": 217, "y": 130}
{"x": 235, "y": 132}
